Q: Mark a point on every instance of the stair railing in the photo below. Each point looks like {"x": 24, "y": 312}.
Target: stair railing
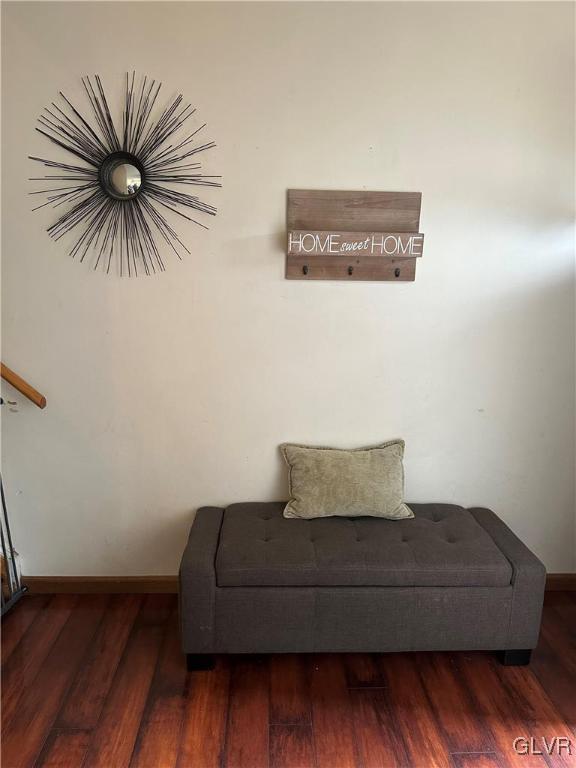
{"x": 22, "y": 386}
{"x": 11, "y": 584}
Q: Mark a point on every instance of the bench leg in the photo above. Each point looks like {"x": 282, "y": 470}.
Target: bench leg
{"x": 199, "y": 661}
{"x": 516, "y": 658}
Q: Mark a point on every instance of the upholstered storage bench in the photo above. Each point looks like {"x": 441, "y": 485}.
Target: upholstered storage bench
{"x": 451, "y": 578}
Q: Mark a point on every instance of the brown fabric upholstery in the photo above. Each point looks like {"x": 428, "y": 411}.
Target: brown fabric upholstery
{"x": 322, "y": 618}
{"x": 361, "y": 619}
{"x": 442, "y": 546}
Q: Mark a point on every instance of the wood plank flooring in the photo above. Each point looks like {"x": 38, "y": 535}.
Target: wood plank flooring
{"x": 98, "y": 681}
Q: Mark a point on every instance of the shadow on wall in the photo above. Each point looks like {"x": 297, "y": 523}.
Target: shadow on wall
{"x": 501, "y": 435}
{"x": 505, "y": 413}
{"x": 502, "y": 431}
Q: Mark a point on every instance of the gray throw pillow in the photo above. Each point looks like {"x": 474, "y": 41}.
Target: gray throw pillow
{"x": 324, "y": 482}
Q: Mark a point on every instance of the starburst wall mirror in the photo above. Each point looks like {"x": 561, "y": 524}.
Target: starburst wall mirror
{"x": 122, "y": 191}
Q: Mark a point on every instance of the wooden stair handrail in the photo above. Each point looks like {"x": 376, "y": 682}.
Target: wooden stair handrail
{"x": 22, "y": 386}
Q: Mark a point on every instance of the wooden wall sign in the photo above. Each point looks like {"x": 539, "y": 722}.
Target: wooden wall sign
{"x": 334, "y": 235}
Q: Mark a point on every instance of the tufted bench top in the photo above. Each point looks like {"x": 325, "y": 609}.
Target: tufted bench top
{"x": 443, "y": 545}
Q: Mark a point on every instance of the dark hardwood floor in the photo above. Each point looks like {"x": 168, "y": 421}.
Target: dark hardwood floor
{"x": 98, "y": 681}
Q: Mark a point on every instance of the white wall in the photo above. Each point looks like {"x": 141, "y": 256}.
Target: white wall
{"x": 172, "y": 392}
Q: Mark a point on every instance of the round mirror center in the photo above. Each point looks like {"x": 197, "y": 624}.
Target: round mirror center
{"x": 125, "y": 179}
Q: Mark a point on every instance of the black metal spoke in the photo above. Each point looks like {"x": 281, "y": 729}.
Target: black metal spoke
{"x": 126, "y": 228}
